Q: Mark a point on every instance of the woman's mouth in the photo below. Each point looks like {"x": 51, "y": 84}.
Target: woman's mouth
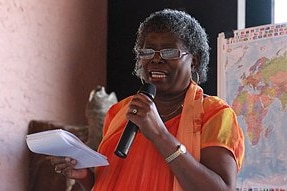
{"x": 157, "y": 74}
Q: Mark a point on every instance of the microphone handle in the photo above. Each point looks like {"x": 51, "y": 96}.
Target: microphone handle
{"x": 131, "y": 129}
{"x": 126, "y": 140}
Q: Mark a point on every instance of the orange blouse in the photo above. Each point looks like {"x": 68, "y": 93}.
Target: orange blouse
{"x": 203, "y": 122}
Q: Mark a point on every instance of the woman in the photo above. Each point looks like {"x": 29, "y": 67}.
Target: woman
{"x": 187, "y": 140}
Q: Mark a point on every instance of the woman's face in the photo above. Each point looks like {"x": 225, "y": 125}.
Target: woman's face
{"x": 169, "y": 76}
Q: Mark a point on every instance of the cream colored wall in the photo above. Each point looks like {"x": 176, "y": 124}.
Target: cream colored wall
{"x": 52, "y": 53}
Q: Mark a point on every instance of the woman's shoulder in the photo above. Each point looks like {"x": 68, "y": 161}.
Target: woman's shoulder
{"x": 117, "y": 106}
{"x": 113, "y": 110}
{"x": 213, "y": 103}
{"x": 213, "y": 100}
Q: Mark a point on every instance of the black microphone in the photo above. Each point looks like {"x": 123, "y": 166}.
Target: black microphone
{"x": 131, "y": 129}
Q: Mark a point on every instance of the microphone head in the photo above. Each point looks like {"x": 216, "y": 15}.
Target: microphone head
{"x": 148, "y": 89}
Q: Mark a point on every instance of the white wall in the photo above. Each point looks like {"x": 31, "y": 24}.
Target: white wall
{"x": 52, "y": 53}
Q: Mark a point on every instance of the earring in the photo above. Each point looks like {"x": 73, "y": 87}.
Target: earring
{"x": 142, "y": 80}
{"x": 194, "y": 74}
{"x": 195, "y": 77}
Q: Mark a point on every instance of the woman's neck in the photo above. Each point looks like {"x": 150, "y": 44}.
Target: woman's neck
{"x": 169, "y": 99}
{"x": 170, "y": 105}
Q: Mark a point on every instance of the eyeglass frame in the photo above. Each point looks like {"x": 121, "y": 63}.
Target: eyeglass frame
{"x": 181, "y": 53}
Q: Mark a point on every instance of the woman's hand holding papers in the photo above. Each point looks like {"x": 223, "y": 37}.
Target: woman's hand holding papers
{"x": 65, "y": 166}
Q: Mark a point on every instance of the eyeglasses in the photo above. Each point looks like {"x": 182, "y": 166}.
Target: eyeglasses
{"x": 167, "y": 54}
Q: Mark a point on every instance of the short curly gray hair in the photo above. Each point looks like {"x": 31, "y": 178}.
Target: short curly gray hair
{"x": 182, "y": 26}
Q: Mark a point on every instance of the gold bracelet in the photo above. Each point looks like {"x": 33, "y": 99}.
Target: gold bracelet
{"x": 180, "y": 150}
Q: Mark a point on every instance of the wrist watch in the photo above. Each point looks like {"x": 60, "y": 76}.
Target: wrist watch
{"x": 180, "y": 150}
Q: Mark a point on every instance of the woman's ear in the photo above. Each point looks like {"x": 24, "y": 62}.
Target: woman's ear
{"x": 194, "y": 68}
{"x": 195, "y": 63}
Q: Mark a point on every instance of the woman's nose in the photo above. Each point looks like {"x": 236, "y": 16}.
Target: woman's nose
{"x": 157, "y": 58}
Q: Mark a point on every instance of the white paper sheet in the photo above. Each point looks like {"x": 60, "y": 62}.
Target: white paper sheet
{"x": 63, "y": 143}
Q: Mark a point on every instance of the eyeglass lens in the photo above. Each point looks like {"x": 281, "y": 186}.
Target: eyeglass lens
{"x": 164, "y": 53}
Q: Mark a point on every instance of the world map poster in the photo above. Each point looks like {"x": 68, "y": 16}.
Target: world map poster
{"x": 252, "y": 78}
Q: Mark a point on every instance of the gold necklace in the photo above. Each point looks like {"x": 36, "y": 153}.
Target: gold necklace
{"x": 173, "y": 112}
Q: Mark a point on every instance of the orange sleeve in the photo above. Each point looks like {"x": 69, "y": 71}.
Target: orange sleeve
{"x": 221, "y": 128}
